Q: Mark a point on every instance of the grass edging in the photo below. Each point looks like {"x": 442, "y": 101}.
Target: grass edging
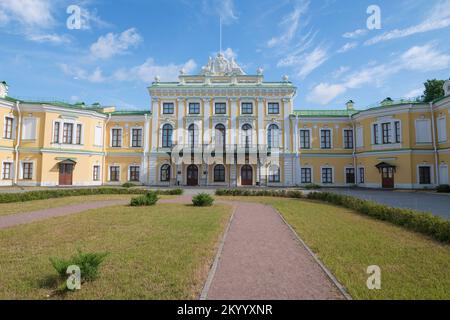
{"x": 425, "y": 223}
{"x": 51, "y": 194}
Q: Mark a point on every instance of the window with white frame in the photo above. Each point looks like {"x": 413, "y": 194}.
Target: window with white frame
{"x": 219, "y": 173}
{"x": 135, "y": 173}
{"x": 386, "y": 132}
{"x": 350, "y": 176}
{"x": 167, "y": 136}
{"x": 348, "y": 139}
{"x": 116, "y": 137}
{"x": 305, "y": 139}
{"x": 247, "y": 108}
{"x": 362, "y": 175}
{"x": 96, "y": 173}
{"x": 98, "y": 136}
{"x": 442, "y": 129}
{"x": 273, "y": 108}
{"x": 136, "y": 137}
{"x": 168, "y": 108}
{"x": 327, "y": 175}
{"x": 273, "y": 136}
{"x": 8, "y": 129}
{"x": 78, "y": 134}
{"x": 359, "y": 137}
{"x": 7, "y": 170}
{"x": 220, "y": 108}
{"x": 114, "y": 173}
{"x": 325, "y": 138}
{"x": 67, "y": 133}
{"x": 56, "y": 132}
{"x": 194, "y": 108}
{"x": 274, "y": 174}
{"x": 27, "y": 170}
{"x": 29, "y": 128}
{"x": 398, "y": 132}
{"x": 306, "y": 175}
{"x": 424, "y": 175}
{"x": 423, "y": 131}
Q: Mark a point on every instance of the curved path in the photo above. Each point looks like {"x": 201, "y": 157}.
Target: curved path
{"x": 260, "y": 256}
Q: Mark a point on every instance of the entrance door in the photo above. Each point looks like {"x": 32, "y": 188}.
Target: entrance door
{"x": 247, "y": 175}
{"x": 387, "y": 177}
{"x": 65, "y": 174}
{"x": 192, "y": 175}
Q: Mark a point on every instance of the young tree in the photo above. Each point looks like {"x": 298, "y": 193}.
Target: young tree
{"x": 433, "y": 90}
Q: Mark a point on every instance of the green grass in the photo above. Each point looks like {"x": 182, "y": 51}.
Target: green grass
{"x": 413, "y": 266}
{"x": 159, "y": 252}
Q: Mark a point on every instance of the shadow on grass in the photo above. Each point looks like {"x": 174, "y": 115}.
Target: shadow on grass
{"x": 54, "y": 284}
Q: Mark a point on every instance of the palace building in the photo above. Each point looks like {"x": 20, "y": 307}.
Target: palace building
{"x": 225, "y": 128}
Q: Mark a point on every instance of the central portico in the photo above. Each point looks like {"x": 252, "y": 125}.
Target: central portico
{"x": 221, "y": 127}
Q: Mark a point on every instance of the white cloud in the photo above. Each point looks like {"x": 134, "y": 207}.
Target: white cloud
{"x": 325, "y": 92}
{"x": 3, "y": 18}
{"x": 113, "y": 44}
{"x": 425, "y": 58}
{"x": 340, "y": 71}
{"x": 305, "y": 63}
{"x": 347, "y": 47}
{"x": 91, "y": 18}
{"x": 77, "y": 73}
{"x": 437, "y": 18}
{"x": 230, "y": 54}
{"x": 355, "y": 34}
{"x": 223, "y": 8}
{"x": 51, "y": 38}
{"x": 414, "y": 93}
{"x": 30, "y": 13}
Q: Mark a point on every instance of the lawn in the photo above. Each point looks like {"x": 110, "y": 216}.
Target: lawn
{"x": 412, "y": 265}
{"x": 18, "y": 207}
{"x": 159, "y": 252}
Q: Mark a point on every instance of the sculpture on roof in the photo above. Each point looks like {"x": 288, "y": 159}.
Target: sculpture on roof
{"x": 221, "y": 66}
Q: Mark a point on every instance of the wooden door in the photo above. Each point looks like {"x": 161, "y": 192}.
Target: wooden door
{"x": 192, "y": 175}
{"x": 247, "y": 175}
{"x": 65, "y": 174}
{"x": 387, "y": 177}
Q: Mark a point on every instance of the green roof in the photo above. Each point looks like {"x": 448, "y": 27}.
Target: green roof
{"x": 324, "y": 113}
{"x": 130, "y": 113}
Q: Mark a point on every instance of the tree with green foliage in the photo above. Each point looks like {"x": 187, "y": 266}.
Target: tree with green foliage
{"x": 434, "y": 89}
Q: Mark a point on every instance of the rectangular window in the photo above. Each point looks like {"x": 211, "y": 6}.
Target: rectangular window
{"x": 375, "y": 134}
{"x": 423, "y": 131}
{"x": 116, "y": 138}
{"x": 7, "y": 134}
{"x": 98, "y": 139}
{"x": 274, "y": 108}
{"x": 136, "y": 138}
{"x": 325, "y": 139}
{"x": 398, "y": 133}
{"x": 134, "y": 173}
{"x": 350, "y": 176}
{"x": 424, "y": 175}
{"x": 67, "y": 133}
{"x": 247, "y": 108}
{"x": 78, "y": 134}
{"x": 306, "y": 175}
{"x": 114, "y": 173}
{"x": 220, "y": 108}
{"x": 168, "y": 108}
{"x": 305, "y": 139}
{"x": 27, "y": 171}
{"x": 327, "y": 175}
{"x": 359, "y": 137}
{"x": 362, "y": 174}
{"x": 96, "y": 173}
{"x": 348, "y": 139}
{"x": 7, "y": 166}
{"x": 387, "y": 130}
{"x": 56, "y": 132}
{"x": 194, "y": 108}
{"x": 29, "y": 129}
{"x": 442, "y": 130}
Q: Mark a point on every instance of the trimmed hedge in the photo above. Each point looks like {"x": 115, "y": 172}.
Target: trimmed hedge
{"x": 425, "y": 223}
{"x": 445, "y": 188}
{"x": 50, "y": 194}
{"x": 260, "y": 193}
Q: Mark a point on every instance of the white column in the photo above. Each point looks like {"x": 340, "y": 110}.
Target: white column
{"x": 155, "y": 121}
{"x": 206, "y": 120}
{"x": 287, "y": 126}
{"x": 261, "y": 116}
{"x": 233, "y": 116}
{"x": 144, "y": 163}
{"x": 181, "y": 116}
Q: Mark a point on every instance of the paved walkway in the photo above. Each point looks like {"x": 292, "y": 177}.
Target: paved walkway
{"x": 28, "y": 217}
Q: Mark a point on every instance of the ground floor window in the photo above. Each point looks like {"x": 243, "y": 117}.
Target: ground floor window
{"x": 362, "y": 177}
{"x": 350, "y": 176}
{"x": 27, "y": 170}
{"x": 7, "y": 166}
{"x": 327, "y": 175}
{"x": 306, "y": 175}
{"x": 425, "y": 175}
{"x": 219, "y": 173}
{"x": 165, "y": 173}
{"x": 134, "y": 173}
{"x": 274, "y": 174}
{"x": 96, "y": 173}
{"x": 114, "y": 173}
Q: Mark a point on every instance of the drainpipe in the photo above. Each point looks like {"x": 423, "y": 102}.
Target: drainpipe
{"x": 437, "y": 174}
{"x": 355, "y": 165}
{"x": 296, "y": 146}
{"x": 104, "y": 150}
{"x": 16, "y": 149}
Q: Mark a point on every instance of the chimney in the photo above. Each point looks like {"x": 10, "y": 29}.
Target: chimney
{"x": 350, "y": 105}
{"x": 3, "y": 89}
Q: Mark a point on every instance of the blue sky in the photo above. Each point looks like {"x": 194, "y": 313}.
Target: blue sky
{"x": 323, "y": 45}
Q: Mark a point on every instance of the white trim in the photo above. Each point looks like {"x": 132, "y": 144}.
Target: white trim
{"x": 312, "y": 174}
{"x": 343, "y": 138}
{"x": 331, "y": 138}
{"x": 13, "y": 127}
{"x": 429, "y": 133}
{"x": 443, "y": 168}
{"x": 442, "y": 139}
{"x": 300, "y": 140}
{"x": 129, "y": 171}
{"x": 418, "y": 175}
{"x": 33, "y": 173}
{"x": 131, "y": 137}
{"x": 267, "y": 108}
{"x": 11, "y": 170}
{"x": 219, "y": 100}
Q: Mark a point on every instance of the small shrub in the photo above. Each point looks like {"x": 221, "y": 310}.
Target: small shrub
{"x": 128, "y": 185}
{"x": 260, "y": 193}
{"x": 203, "y": 200}
{"x": 89, "y": 264}
{"x": 312, "y": 186}
{"x": 445, "y": 188}
{"x": 148, "y": 199}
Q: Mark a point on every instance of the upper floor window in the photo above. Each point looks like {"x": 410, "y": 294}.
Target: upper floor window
{"x": 167, "y": 132}
{"x": 193, "y": 135}
{"x": 136, "y": 137}
{"x": 387, "y": 132}
{"x": 325, "y": 139}
{"x": 247, "y": 108}
{"x": 398, "y": 132}
{"x": 375, "y": 134}
{"x": 29, "y": 128}
{"x": 305, "y": 139}
{"x": 56, "y": 132}
{"x": 220, "y": 135}
{"x": 67, "y": 133}
{"x": 246, "y": 137}
{"x": 348, "y": 139}
{"x": 423, "y": 131}
{"x": 116, "y": 138}
{"x": 442, "y": 129}
{"x": 194, "y": 108}
{"x": 273, "y": 136}
{"x": 98, "y": 136}
{"x": 8, "y": 130}
{"x": 274, "y": 108}
{"x": 78, "y": 134}
{"x": 220, "y": 108}
{"x": 168, "y": 108}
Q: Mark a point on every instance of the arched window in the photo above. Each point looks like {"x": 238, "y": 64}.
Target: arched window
{"x": 246, "y": 137}
{"x": 167, "y": 132}
{"x": 193, "y": 135}
{"x": 273, "y": 136}
{"x": 219, "y": 173}
{"x": 274, "y": 174}
{"x": 165, "y": 173}
{"x": 220, "y": 134}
